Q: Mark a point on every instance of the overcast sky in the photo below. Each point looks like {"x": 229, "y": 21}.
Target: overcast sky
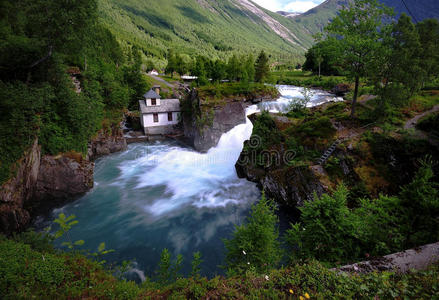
{"x": 288, "y": 5}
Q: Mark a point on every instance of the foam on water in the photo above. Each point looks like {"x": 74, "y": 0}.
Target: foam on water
{"x": 163, "y": 195}
{"x": 288, "y": 93}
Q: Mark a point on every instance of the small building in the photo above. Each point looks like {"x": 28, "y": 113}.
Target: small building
{"x": 188, "y": 78}
{"x": 153, "y": 72}
{"x": 158, "y": 116}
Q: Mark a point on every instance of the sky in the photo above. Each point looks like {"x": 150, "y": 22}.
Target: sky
{"x": 288, "y": 5}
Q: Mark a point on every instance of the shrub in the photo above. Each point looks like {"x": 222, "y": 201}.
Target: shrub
{"x": 254, "y": 245}
{"x": 328, "y": 230}
{"x": 430, "y": 124}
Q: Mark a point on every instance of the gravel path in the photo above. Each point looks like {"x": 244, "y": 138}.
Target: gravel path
{"x": 162, "y": 81}
{"x": 412, "y": 122}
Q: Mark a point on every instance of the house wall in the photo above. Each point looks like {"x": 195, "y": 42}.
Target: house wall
{"x": 161, "y": 127}
{"x": 148, "y": 102}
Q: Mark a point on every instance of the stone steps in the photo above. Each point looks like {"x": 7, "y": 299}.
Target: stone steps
{"x": 328, "y": 152}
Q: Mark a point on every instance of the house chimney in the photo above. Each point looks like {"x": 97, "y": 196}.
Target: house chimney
{"x": 157, "y": 89}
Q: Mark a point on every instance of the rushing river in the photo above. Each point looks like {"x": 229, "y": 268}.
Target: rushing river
{"x": 164, "y": 195}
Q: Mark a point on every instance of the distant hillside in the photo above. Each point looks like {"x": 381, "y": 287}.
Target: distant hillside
{"x": 215, "y": 28}
{"x": 315, "y": 19}
{"x": 420, "y": 9}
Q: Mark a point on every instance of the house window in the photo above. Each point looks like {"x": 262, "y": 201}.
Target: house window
{"x": 156, "y": 118}
{"x": 169, "y": 116}
{"x": 153, "y": 102}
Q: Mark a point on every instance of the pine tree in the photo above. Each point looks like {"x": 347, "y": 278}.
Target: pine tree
{"x": 255, "y": 245}
{"x": 261, "y": 67}
{"x": 171, "y": 66}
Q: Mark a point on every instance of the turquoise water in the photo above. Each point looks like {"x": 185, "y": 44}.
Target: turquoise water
{"x": 164, "y": 195}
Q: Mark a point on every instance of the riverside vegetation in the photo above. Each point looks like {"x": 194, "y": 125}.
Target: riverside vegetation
{"x": 41, "y": 40}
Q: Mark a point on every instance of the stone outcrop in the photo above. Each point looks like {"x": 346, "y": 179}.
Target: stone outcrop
{"x": 219, "y": 121}
{"x": 16, "y": 192}
{"x": 288, "y": 186}
{"x": 45, "y": 182}
{"x": 106, "y": 143}
{"x": 62, "y": 178}
{"x": 204, "y": 123}
{"x": 419, "y": 258}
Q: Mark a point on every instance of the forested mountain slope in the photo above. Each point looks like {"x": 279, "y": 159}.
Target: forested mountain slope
{"x": 315, "y": 19}
{"x": 207, "y": 27}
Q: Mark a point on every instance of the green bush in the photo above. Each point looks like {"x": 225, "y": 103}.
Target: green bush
{"x": 254, "y": 246}
{"x": 320, "y": 127}
{"x": 328, "y": 230}
{"x": 430, "y": 124}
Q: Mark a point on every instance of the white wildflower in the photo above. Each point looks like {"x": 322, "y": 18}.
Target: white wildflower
{"x": 266, "y": 277}
{"x": 244, "y": 252}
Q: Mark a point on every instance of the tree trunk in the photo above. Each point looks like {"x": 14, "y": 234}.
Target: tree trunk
{"x": 354, "y": 100}
{"x": 319, "y": 69}
{"x": 42, "y": 59}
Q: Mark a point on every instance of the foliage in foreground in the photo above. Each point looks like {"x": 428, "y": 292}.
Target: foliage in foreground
{"x": 332, "y": 232}
{"x": 38, "y": 271}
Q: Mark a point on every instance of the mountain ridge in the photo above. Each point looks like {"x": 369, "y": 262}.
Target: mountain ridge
{"x": 206, "y": 27}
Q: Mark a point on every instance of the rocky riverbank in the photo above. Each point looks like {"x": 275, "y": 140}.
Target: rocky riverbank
{"x": 283, "y": 156}
{"x": 206, "y": 118}
{"x": 43, "y": 182}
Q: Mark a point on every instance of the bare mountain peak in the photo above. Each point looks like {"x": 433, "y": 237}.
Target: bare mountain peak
{"x": 275, "y": 25}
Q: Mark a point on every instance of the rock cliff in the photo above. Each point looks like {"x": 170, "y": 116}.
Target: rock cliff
{"x": 45, "y": 182}
{"x": 206, "y": 120}
{"x": 106, "y": 143}
{"x": 288, "y": 186}
{"x": 16, "y": 192}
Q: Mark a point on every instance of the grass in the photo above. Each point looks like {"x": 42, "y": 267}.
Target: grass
{"x": 235, "y": 89}
{"x": 305, "y": 78}
{"x": 30, "y": 268}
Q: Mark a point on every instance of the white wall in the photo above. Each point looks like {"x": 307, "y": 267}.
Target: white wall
{"x": 148, "y": 102}
{"x": 148, "y": 119}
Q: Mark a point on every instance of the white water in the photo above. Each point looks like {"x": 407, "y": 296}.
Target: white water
{"x": 203, "y": 180}
{"x": 162, "y": 195}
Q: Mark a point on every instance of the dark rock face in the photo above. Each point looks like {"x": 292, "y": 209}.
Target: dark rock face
{"x": 218, "y": 119}
{"x": 15, "y": 193}
{"x": 105, "y": 144}
{"x": 42, "y": 183}
{"x": 225, "y": 119}
{"x": 290, "y": 187}
{"x": 62, "y": 178}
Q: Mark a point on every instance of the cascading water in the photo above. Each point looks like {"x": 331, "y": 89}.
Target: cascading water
{"x": 162, "y": 195}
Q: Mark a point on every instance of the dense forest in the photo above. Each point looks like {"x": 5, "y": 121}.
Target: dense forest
{"x": 45, "y": 45}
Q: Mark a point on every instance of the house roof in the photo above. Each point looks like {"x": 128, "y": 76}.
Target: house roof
{"x": 151, "y": 95}
{"x": 166, "y": 105}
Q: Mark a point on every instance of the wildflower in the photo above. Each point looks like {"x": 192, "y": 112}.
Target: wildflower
{"x": 291, "y": 291}
{"x": 266, "y": 277}
{"x": 306, "y": 295}
{"x": 248, "y": 263}
{"x": 244, "y": 252}
{"x": 301, "y": 298}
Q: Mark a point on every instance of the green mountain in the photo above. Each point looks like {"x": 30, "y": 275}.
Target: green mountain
{"x": 215, "y": 28}
{"x": 315, "y": 19}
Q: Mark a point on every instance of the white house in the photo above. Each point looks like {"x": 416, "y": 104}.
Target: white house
{"x": 158, "y": 116}
{"x": 153, "y": 72}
